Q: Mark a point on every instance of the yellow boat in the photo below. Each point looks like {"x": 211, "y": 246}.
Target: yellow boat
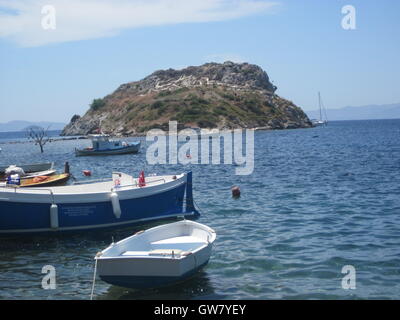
{"x": 3, "y": 177}
{"x": 45, "y": 181}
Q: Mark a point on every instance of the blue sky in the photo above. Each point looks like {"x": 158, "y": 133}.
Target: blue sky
{"x": 300, "y": 43}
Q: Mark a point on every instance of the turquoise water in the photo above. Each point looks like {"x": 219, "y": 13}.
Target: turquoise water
{"x": 319, "y": 199}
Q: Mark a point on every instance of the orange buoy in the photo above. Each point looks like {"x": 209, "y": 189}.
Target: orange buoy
{"x": 235, "y": 192}
{"x": 87, "y": 173}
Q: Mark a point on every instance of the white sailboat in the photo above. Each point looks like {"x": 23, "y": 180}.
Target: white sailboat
{"x": 320, "y": 121}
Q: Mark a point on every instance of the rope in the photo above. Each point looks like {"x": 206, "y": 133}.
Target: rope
{"x": 94, "y": 277}
{"x": 199, "y": 209}
{"x": 195, "y": 260}
{"x": 196, "y": 205}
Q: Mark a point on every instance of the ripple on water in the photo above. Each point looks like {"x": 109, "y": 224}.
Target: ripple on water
{"x": 319, "y": 199}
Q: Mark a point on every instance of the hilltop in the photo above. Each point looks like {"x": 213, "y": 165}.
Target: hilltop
{"x": 214, "y": 95}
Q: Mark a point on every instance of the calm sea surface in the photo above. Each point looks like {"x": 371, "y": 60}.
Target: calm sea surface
{"x": 319, "y": 199}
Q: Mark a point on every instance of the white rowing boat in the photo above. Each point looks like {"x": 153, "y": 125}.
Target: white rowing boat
{"x": 28, "y": 168}
{"x": 158, "y": 256}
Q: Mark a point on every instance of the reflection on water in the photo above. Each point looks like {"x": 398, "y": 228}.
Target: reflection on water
{"x": 17, "y": 252}
{"x": 196, "y": 287}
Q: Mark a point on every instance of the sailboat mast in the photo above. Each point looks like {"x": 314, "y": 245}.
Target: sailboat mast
{"x": 320, "y": 109}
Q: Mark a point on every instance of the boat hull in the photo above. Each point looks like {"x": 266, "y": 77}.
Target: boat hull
{"x": 124, "y": 150}
{"x": 147, "y": 259}
{"x": 30, "y": 213}
{"x": 319, "y": 123}
{"x": 55, "y": 180}
{"x": 144, "y": 282}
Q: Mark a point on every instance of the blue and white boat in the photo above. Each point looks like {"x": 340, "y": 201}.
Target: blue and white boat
{"x": 102, "y": 145}
{"x": 123, "y": 200}
{"x": 158, "y": 256}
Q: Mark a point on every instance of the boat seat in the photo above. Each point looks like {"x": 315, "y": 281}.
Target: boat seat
{"x": 156, "y": 252}
{"x": 135, "y": 253}
{"x": 184, "y": 239}
{"x": 184, "y": 243}
{"x": 165, "y": 252}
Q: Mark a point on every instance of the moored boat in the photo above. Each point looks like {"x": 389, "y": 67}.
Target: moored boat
{"x": 31, "y": 175}
{"x": 158, "y": 256}
{"x": 120, "y": 201}
{"x": 29, "y": 168}
{"x": 102, "y": 145}
{"x": 317, "y": 122}
{"x": 320, "y": 121}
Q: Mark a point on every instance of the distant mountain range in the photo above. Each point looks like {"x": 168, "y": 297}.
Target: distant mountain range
{"x": 387, "y": 111}
{"x": 20, "y": 125}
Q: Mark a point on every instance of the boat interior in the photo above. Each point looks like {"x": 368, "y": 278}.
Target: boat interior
{"x": 169, "y": 247}
{"x": 95, "y": 186}
{"x": 184, "y": 237}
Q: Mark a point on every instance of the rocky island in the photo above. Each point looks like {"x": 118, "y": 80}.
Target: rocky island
{"x": 214, "y": 95}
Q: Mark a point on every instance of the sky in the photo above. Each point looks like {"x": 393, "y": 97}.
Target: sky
{"x": 51, "y": 74}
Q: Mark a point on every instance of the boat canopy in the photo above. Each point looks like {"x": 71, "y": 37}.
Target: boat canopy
{"x": 99, "y": 137}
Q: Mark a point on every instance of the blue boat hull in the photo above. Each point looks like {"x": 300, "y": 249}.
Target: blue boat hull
{"x": 22, "y": 217}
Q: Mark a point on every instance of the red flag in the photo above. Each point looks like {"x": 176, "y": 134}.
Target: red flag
{"x": 142, "y": 181}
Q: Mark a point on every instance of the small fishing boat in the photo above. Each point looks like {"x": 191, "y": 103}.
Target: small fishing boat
{"x": 158, "y": 256}
{"x": 29, "y": 168}
{"x": 119, "y": 201}
{"x": 102, "y": 145}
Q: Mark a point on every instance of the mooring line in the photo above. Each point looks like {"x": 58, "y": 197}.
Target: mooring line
{"x": 94, "y": 277}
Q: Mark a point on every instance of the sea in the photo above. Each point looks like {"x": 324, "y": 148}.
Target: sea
{"x": 320, "y": 211}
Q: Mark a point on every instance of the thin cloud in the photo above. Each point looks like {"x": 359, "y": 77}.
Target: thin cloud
{"x": 20, "y": 20}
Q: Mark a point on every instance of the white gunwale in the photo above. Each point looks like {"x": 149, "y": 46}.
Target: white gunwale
{"x": 92, "y": 192}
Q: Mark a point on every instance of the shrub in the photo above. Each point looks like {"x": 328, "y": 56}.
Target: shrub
{"x": 75, "y": 118}
{"x": 130, "y": 106}
{"x": 180, "y": 90}
{"x": 97, "y": 104}
{"x": 206, "y": 123}
{"x": 156, "y": 105}
{"x": 164, "y": 93}
{"x": 229, "y": 96}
